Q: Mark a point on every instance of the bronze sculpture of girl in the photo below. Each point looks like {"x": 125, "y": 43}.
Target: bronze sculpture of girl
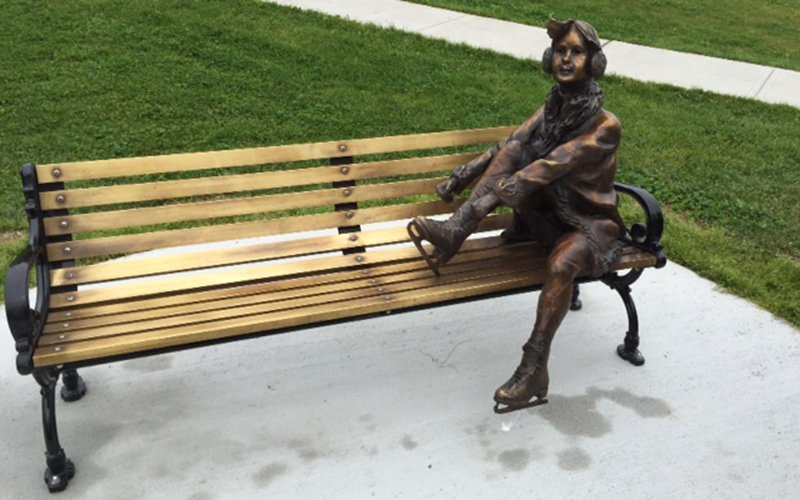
{"x": 557, "y": 172}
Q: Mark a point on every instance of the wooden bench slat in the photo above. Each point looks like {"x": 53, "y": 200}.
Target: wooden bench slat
{"x": 161, "y": 303}
{"x": 136, "y": 310}
{"x": 228, "y": 328}
{"x": 116, "y": 270}
{"x": 233, "y": 207}
{"x": 185, "y": 162}
{"x": 226, "y": 298}
{"x": 244, "y": 275}
{"x": 121, "y": 245}
{"x": 340, "y": 293}
{"x": 182, "y": 335}
{"x": 227, "y": 184}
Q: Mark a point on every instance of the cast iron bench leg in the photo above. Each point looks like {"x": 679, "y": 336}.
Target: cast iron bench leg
{"x": 59, "y": 468}
{"x": 74, "y": 387}
{"x": 629, "y": 349}
{"x": 575, "y": 304}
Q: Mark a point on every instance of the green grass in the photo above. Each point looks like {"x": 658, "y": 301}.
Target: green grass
{"x": 758, "y": 32}
{"x": 101, "y": 79}
{"x": 759, "y": 274}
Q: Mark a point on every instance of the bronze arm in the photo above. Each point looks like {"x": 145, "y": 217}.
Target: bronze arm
{"x": 463, "y": 175}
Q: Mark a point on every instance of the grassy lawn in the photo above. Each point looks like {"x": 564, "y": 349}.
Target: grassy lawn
{"x": 100, "y": 79}
{"x": 758, "y": 32}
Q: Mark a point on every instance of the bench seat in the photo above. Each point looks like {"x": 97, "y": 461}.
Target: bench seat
{"x": 339, "y": 288}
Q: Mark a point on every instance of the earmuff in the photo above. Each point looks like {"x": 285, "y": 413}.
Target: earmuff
{"x": 547, "y": 60}
{"x": 597, "y": 65}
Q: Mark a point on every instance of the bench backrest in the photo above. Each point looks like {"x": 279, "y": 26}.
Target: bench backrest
{"x": 96, "y": 210}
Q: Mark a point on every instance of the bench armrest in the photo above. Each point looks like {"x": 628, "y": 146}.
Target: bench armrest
{"x": 646, "y": 236}
{"x": 25, "y": 322}
{"x": 18, "y": 311}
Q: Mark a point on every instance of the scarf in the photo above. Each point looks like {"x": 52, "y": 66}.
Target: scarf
{"x": 563, "y": 115}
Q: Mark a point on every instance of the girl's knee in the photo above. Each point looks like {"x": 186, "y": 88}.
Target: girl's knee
{"x": 569, "y": 258}
{"x": 562, "y": 268}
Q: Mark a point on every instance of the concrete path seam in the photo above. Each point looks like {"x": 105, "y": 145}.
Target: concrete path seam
{"x": 764, "y": 83}
{"x": 435, "y": 25}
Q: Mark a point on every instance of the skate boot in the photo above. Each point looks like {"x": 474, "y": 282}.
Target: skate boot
{"x": 445, "y": 236}
{"x": 528, "y": 385}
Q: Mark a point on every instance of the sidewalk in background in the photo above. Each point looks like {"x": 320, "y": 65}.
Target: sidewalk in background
{"x": 723, "y": 76}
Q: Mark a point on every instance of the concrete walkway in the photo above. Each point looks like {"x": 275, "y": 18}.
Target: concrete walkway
{"x": 400, "y": 407}
{"x": 763, "y": 83}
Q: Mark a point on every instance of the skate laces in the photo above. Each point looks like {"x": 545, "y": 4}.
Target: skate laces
{"x": 531, "y": 361}
{"x": 520, "y": 373}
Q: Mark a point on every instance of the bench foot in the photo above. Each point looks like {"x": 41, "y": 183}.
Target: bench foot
{"x": 634, "y": 356}
{"x": 575, "y": 304}
{"x": 59, "y": 468}
{"x": 74, "y": 387}
{"x": 58, "y": 482}
{"x": 629, "y": 349}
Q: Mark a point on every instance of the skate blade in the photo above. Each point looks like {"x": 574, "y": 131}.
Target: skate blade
{"x": 415, "y": 233}
{"x": 508, "y": 408}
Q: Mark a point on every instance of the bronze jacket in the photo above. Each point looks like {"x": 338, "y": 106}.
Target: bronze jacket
{"x": 572, "y": 187}
{"x": 583, "y": 166}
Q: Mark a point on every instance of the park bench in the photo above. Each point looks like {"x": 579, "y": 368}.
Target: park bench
{"x": 139, "y": 256}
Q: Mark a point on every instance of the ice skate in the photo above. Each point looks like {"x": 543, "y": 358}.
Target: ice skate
{"x": 445, "y": 236}
{"x": 528, "y": 385}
